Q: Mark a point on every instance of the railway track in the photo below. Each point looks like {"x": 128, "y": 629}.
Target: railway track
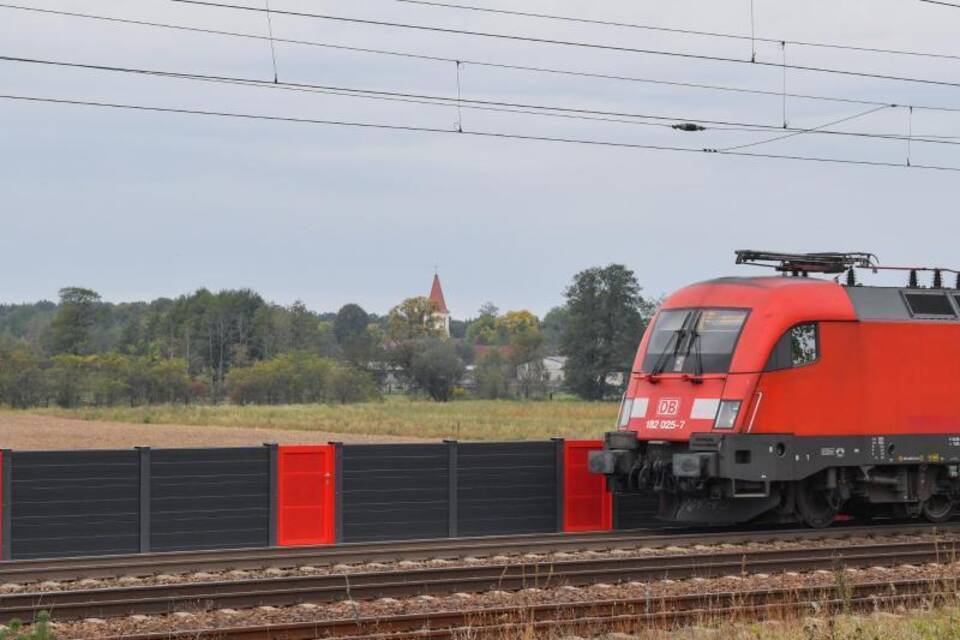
{"x": 71, "y": 569}
{"x": 324, "y": 589}
{"x": 594, "y": 617}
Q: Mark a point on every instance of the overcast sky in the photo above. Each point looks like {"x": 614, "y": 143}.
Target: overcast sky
{"x": 138, "y": 205}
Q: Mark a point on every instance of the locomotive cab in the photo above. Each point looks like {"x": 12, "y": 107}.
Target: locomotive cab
{"x": 775, "y": 398}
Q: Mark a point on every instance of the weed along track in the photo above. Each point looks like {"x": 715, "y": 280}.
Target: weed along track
{"x": 592, "y": 616}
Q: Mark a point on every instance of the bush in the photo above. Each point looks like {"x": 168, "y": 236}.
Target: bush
{"x": 436, "y": 368}
{"x": 493, "y": 376}
{"x": 297, "y": 378}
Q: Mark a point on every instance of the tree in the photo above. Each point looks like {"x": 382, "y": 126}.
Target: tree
{"x": 484, "y": 329}
{"x": 554, "y": 325}
{"x": 353, "y": 334}
{"x": 351, "y": 323}
{"x": 603, "y": 329}
{"x": 436, "y": 369}
{"x": 413, "y": 319}
{"x": 493, "y": 376}
{"x": 303, "y": 327}
{"x": 72, "y": 325}
{"x": 22, "y": 380}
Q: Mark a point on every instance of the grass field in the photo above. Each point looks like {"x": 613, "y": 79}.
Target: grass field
{"x": 400, "y": 417}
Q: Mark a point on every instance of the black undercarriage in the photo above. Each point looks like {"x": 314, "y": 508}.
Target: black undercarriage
{"x": 736, "y": 478}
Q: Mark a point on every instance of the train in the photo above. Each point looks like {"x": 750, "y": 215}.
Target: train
{"x": 798, "y": 397}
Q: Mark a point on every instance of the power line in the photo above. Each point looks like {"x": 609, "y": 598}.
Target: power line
{"x": 692, "y": 32}
{"x": 474, "y": 62}
{"x": 572, "y": 43}
{"x": 665, "y": 121}
{"x": 944, "y": 4}
{"x": 480, "y": 134}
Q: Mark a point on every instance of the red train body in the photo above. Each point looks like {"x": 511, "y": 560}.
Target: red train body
{"x": 793, "y": 399}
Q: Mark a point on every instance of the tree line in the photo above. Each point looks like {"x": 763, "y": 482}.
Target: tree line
{"x": 233, "y": 345}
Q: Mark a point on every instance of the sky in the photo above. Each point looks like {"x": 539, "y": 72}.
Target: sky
{"x": 138, "y": 205}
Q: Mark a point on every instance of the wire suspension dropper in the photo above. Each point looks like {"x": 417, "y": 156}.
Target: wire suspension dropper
{"x": 273, "y": 46}
{"x": 459, "y": 101}
{"x": 783, "y": 46}
{"x": 909, "y": 133}
{"x": 753, "y": 34}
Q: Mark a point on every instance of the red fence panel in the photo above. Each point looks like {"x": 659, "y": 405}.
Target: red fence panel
{"x": 587, "y": 505}
{"x": 306, "y": 500}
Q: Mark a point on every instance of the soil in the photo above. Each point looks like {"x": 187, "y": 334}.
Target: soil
{"x": 24, "y": 431}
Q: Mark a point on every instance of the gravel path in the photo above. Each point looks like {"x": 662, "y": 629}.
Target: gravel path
{"x": 25, "y": 431}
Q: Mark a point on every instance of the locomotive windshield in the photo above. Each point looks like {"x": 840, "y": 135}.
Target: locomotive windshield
{"x": 693, "y": 341}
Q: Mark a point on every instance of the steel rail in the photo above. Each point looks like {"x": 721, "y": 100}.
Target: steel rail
{"x": 326, "y": 589}
{"x": 595, "y": 616}
{"x": 76, "y": 568}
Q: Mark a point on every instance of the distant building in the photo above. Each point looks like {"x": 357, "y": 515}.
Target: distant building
{"x": 553, "y": 370}
{"x": 442, "y": 315}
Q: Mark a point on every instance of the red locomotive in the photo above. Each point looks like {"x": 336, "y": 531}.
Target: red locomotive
{"x": 793, "y": 399}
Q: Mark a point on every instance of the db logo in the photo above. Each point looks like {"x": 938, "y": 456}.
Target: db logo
{"x": 668, "y": 407}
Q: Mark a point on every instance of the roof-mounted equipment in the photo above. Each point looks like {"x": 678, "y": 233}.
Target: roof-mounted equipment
{"x": 805, "y": 263}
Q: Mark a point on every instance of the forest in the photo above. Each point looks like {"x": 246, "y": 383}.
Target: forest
{"x": 235, "y": 346}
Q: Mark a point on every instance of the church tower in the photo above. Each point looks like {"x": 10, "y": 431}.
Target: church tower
{"x": 442, "y": 315}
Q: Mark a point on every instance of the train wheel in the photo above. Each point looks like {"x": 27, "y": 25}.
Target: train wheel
{"x": 937, "y": 508}
{"x": 816, "y": 505}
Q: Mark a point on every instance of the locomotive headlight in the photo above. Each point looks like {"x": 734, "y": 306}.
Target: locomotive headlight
{"x": 625, "y": 408}
{"x": 727, "y": 414}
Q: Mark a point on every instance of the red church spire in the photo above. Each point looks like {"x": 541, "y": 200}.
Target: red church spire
{"x": 436, "y": 295}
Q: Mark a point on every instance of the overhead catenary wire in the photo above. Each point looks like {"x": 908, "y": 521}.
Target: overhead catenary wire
{"x": 693, "y": 32}
{"x": 473, "y": 62}
{"x": 475, "y": 133}
{"x": 810, "y": 130}
{"x": 667, "y": 121}
{"x": 574, "y": 43}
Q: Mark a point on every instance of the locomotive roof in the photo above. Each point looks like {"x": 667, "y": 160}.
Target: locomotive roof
{"x": 821, "y": 299}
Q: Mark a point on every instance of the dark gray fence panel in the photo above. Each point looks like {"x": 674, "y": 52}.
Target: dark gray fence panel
{"x": 209, "y": 498}
{"x": 72, "y": 503}
{"x": 394, "y": 492}
{"x": 506, "y": 488}
{"x": 636, "y": 511}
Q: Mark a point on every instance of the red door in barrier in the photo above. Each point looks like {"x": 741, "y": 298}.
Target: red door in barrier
{"x": 305, "y": 495}
{"x": 587, "y": 505}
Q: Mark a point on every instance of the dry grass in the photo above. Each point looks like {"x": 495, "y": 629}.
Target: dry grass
{"x": 394, "y": 417}
{"x": 933, "y": 624}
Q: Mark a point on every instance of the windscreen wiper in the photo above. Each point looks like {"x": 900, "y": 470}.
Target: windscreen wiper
{"x": 676, "y": 339}
{"x": 698, "y": 353}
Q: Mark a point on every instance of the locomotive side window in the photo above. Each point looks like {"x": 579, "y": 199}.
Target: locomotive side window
{"x": 693, "y": 341}
{"x": 934, "y": 305}
{"x": 798, "y": 347}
